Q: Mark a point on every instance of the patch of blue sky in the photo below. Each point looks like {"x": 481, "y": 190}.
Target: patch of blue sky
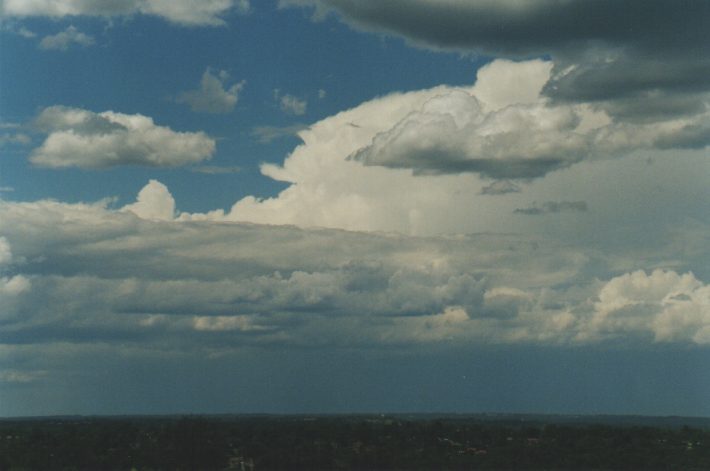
{"x": 140, "y": 64}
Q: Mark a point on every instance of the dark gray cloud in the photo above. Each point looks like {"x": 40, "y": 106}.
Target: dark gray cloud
{"x": 530, "y": 27}
{"x": 620, "y": 48}
{"x": 500, "y": 187}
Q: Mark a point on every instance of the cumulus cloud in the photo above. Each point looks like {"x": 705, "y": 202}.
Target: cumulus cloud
{"x": 211, "y": 96}
{"x": 458, "y": 132}
{"x": 665, "y": 304}
{"x": 184, "y": 12}
{"x": 65, "y": 39}
{"x": 357, "y": 170}
{"x": 154, "y": 202}
{"x": 81, "y": 138}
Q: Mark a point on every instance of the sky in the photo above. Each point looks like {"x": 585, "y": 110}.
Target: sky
{"x": 338, "y": 206}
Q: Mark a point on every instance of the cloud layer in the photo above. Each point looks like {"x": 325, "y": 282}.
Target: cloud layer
{"x": 184, "y": 12}
{"x": 81, "y": 138}
{"x": 88, "y": 274}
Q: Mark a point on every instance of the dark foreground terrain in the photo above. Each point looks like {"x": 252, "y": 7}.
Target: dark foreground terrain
{"x": 355, "y": 442}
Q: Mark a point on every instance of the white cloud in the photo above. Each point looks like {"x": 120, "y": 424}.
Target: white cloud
{"x": 503, "y": 128}
{"x": 291, "y": 104}
{"x": 154, "y": 202}
{"x": 328, "y": 189}
{"x": 81, "y": 138}
{"x": 670, "y": 306}
{"x": 212, "y": 97}
{"x": 184, "y": 12}
{"x": 64, "y": 39}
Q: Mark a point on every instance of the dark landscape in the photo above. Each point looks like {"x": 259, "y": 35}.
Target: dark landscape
{"x": 257, "y": 442}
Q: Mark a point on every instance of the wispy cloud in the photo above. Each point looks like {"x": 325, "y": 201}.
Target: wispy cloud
{"x": 65, "y": 39}
{"x": 290, "y": 104}
{"x": 215, "y": 170}
{"x": 554, "y": 207}
{"x": 212, "y": 96}
{"x": 267, "y": 134}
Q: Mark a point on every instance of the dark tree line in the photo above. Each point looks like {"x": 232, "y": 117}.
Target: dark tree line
{"x": 356, "y": 442}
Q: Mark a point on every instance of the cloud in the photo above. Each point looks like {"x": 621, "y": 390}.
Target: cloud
{"x": 554, "y": 207}
{"x": 81, "y": 138}
{"x": 670, "y": 306}
{"x": 215, "y": 170}
{"x": 457, "y": 131}
{"x": 500, "y": 187}
{"x": 10, "y": 139}
{"x": 5, "y": 252}
{"x": 154, "y": 202}
{"x": 291, "y": 104}
{"x": 357, "y": 170}
{"x": 631, "y": 199}
{"x": 212, "y": 97}
{"x": 511, "y": 26}
{"x": 11, "y": 287}
{"x": 644, "y": 52}
{"x": 64, "y": 39}
{"x": 267, "y": 134}
{"x": 128, "y": 276}
{"x": 183, "y": 12}
{"x": 16, "y": 376}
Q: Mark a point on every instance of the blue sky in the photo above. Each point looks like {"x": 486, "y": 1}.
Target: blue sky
{"x": 339, "y": 206}
{"x": 140, "y": 64}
